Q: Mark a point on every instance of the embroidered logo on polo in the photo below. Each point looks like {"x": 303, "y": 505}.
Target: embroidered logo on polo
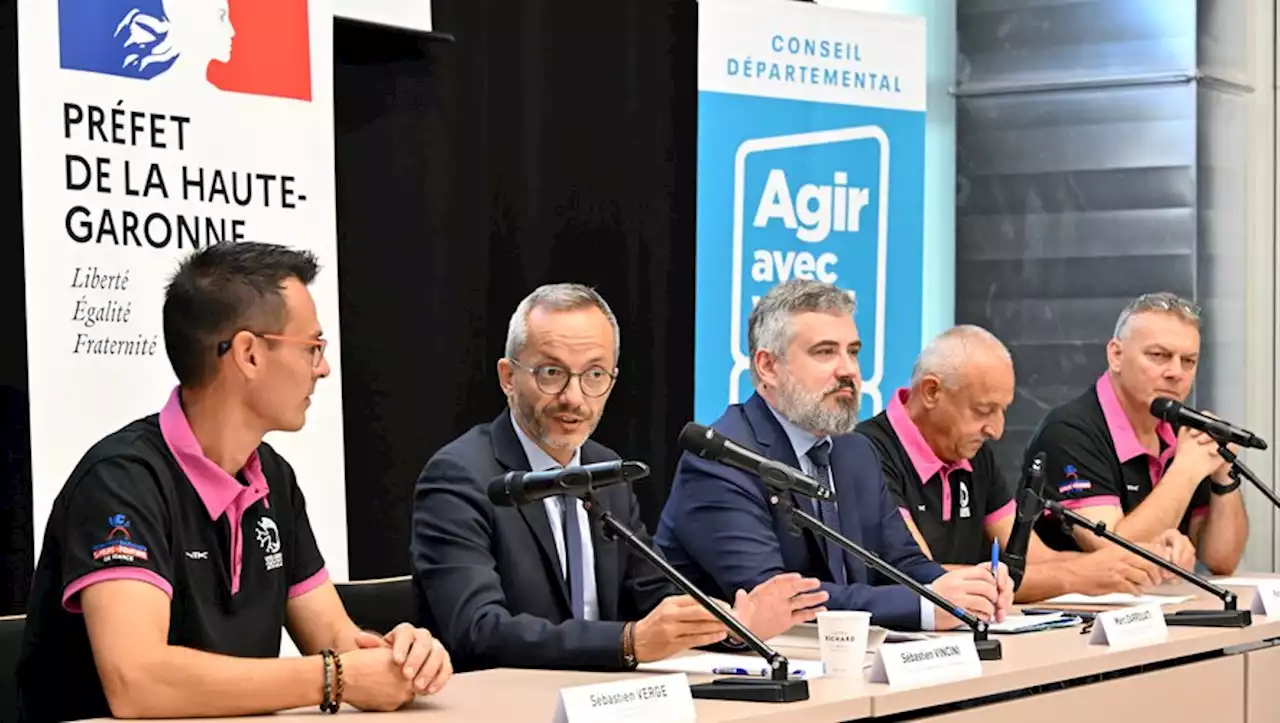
{"x": 1071, "y": 481}
{"x": 964, "y": 500}
{"x": 269, "y": 541}
{"x": 119, "y": 545}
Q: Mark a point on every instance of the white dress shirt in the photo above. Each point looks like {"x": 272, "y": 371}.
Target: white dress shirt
{"x": 540, "y": 461}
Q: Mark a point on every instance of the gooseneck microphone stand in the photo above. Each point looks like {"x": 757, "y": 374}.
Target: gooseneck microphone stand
{"x": 988, "y": 648}
{"x": 779, "y": 687}
{"x": 1228, "y": 617}
{"x": 1238, "y": 468}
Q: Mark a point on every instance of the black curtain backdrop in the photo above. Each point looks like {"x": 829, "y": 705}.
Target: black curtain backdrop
{"x": 15, "y": 445}
{"x": 555, "y": 140}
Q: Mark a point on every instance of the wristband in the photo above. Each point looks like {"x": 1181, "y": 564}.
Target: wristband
{"x": 629, "y": 645}
{"x": 1218, "y": 489}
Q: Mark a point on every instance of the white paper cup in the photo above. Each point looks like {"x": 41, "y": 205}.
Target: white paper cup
{"x": 842, "y": 641}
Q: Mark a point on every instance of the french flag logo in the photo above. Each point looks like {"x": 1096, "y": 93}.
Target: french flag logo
{"x": 239, "y": 46}
{"x": 1071, "y": 481}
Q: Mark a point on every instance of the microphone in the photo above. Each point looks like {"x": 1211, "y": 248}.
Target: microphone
{"x": 519, "y": 488}
{"x": 1029, "y": 509}
{"x": 1179, "y": 415}
{"x": 710, "y": 444}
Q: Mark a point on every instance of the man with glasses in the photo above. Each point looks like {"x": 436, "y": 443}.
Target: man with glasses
{"x": 538, "y": 585}
{"x": 1110, "y": 460}
{"x": 180, "y": 547}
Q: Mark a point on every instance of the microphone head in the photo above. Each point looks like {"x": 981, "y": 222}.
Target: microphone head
{"x": 501, "y": 489}
{"x": 700, "y": 440}
{"x": 1165, "y": 408}
{"x": 632, "y": 471}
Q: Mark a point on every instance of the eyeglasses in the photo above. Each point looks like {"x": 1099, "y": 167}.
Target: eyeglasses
{"x": 553, "y": 379}
{"x": 1163, "y": 301}
{"x": 317, "y": 345}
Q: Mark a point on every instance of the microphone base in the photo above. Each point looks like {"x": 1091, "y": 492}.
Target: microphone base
{"x": 756, "y": 690}
{"x": 989, "y": 649}
{"x": 1210, "y": 618}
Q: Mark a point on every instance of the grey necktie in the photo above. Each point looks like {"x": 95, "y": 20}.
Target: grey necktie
{"x": 820, "y": 455}
{"x": 575, "y": 570}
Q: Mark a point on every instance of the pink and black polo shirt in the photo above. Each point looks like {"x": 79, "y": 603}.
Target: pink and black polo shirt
{"x": 1093, "y": 459}
{"x": 952, "y": 504}
{"x": 145, "y": 504}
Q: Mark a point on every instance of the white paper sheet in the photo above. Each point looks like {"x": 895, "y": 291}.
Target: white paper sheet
{"x": 1243, "y": 581}
{"x": 1117, "y": 598}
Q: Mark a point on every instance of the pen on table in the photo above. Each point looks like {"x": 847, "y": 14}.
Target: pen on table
{"x": 1082, "y": 614}
{"x": 744, "y": 671}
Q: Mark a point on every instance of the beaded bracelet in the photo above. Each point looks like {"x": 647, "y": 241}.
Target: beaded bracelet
{"x": 329, "y": 705}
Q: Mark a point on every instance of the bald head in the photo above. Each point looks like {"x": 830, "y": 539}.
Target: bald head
{"x": 954, "y": 352}
{"x": 961, "y": 386}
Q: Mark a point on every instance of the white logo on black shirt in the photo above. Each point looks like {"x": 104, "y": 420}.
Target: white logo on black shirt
{"x": 964, "y": 500}
{"x": 197, "y": 554}
{"x": 269, "y": 541}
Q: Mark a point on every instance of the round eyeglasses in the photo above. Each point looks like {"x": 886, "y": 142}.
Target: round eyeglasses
{"x": 554, "y": 379}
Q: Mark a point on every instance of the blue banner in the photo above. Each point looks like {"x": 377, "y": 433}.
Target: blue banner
{"x": 810, "y": 165}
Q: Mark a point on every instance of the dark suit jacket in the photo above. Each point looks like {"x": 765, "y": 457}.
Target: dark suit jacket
{"x": 719, "y": 529}
{"x": 487, "y": 579}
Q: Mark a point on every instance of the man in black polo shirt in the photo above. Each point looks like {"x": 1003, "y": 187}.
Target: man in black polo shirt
{"x": 180, "y": 545}
{"x": 1109, "y": 459}
{"x": 932, "y": 443}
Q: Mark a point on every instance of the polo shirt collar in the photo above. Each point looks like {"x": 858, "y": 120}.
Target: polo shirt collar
{"x": 1122, "y": 435}
{"x": 923, "y": 458}
{"x": 217, "y": 489}
{"x": 539, "y": 460}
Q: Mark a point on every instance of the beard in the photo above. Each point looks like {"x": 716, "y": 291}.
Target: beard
{"x": 535, "y": 424}
{"x": 805, "y": 409}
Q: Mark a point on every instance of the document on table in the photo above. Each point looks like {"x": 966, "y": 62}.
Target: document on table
{"x": 750, "y": 665}
{"x": 1117, "y": 598}
{"x": 1244, "y": 581}
{"x": 1029, "y": 623}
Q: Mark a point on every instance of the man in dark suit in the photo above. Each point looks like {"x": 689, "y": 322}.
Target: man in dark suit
{"x": 718, "y": 526}
{"x": 532, "y": 586}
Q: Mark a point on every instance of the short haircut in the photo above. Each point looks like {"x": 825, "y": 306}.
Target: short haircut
{"x": 769, "y": 325}
{"x": 944, "y": 356}
{"x": 221, "y": 290}
{"x": 1164, "y": 302}
{"x": 557, "y": 297}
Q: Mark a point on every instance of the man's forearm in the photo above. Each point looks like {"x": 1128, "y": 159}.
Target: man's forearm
{"x": 1043, "y": 580}
{"x": 177, "y": 682}
{"x": 345, "y": 639}
{"x": 1161, "y": 510}
{"x": 1226, "y": 530}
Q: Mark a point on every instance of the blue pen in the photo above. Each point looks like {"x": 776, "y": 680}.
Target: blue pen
{"x": 744, "y": 671}
{"x": 995, "y": 559}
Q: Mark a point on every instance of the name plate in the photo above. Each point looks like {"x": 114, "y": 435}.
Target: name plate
{"x": 1266, "y": 599}
{"x": 1130, "y": 627}
{"x": 925, "y": 662}
{"x": 653, "y": 698}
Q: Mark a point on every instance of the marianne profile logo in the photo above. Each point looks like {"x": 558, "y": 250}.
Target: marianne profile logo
{"x": 259, "y": 47}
